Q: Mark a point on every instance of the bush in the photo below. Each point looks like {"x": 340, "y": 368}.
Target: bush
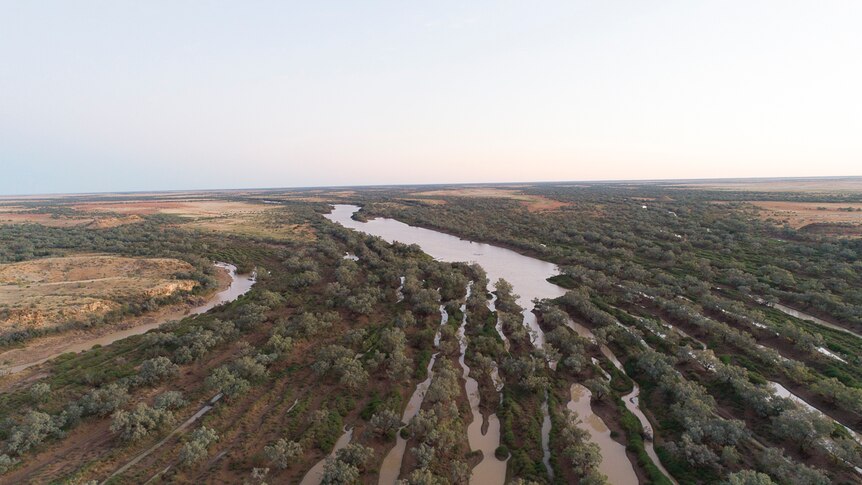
{"x": 282, "y": 452}
{"x": 170, "y": 400}
{"x": 502, "y": 452}
{"x": 195, "y": 448}
{"x": 105, "y": 400}
{"x": 134, "y": 425}
{"x": 157, "y": 369}
{"x": 31, "y": 432}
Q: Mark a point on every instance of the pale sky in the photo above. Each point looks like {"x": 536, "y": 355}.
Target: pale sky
{"x": 144, "y": 95}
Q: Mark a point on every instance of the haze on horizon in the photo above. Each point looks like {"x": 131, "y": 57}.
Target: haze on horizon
{"x": 120, "y": 96}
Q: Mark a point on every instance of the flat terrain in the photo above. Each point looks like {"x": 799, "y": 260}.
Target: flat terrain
{"x": 245, "y": 218}
{"x": 698, "y": 297}
{"x": 534, "y": 203}
{"x": 44, "y": 293}
{"x": 21, "y": 215}
{"x": 821, "y": 185}
{"x": 801, "y": 214}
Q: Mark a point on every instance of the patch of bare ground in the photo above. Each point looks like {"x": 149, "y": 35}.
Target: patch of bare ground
{"x": 23, "y": 215}
{"x": 533, "y": 203}
{"x": 41, "y": 348}
{"x": 215, "y": 215}
{"x": 45, "y": 293}
{"x": 800, "y": 214}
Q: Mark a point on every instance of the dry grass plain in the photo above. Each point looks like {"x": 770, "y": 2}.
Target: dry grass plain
{"x": 832, "y": 218}
{"x": 533, "y": 203}
{"x": 22, "y": 215}
{"x": 244, "y": 218}
{"x": 831, "y": 185}
{"x": 44, "y": 293}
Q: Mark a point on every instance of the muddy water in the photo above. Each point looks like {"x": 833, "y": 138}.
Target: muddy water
{"x": 391, "y": 467}
{"x": 615, "y": 464}
{"x": 631, "y": 400}
{"x": 490, "y": 470}
{"x": 239, "y": 285}
{"x": 315, "y": 475}
{"x": 811, "y": 318}
{"x": 527, "y": 275}
{"x": 444, "y": 319}
{"x": 546, "y": 437}
{"x": 492, "y": 305}
{"x": 782, "y": 391}
{"x": 399, "y": 293}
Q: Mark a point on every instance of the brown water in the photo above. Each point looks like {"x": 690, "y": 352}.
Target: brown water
{"x": 390, "y": 469}
{"x": 315, "y": 475}
{"x": 631, "y": 400}
{"x": 490, "y": 470}
{"x": 239, "y": 285}
{"x": 492, "y": 305}
{"x": 811, "y": 318}
{"x": 618, "y": 470}
{"x": 782, "y": 391}
{"x": 527, "y": 275}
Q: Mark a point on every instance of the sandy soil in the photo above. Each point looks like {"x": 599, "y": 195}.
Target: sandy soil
{"x": 44, "y": 293}
{"x": 42, "y": 347}
{"x": 801, "y": 214}
{"x": 188, "y": 208}
{"x": 22, "y": 215}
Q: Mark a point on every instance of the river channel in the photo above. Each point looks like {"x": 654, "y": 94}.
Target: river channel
{"x": 239, "y": 285}
{"x": 527, "y": 275}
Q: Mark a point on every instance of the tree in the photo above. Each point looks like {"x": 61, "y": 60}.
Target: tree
{"x": 353, "y": 375}
{"x": 222, "y": 379}
{"x": 355, "y": 454}
{"x": 599, "y": 388}
{"x": 40, "y": 392}
{"x": 6, "y": 462}
{"x": 748, "y": 477}
{"x": 157, "y": 369}
{"x": 801, "y": 426}
{"x": 385, "y": 422}
{"x": 169, "y": 400}
{"x": 279, "y": 345}
{"x": 134, "y": 425}
{"x": 195, "y": 448}
{"x": 282, "y": 452}
{"x": 337, "y": 472}
{"x": 105, "y": 400}
{"x": 31, "y": 432}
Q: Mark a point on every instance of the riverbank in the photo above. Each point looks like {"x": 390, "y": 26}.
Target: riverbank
{"x": 38, "y": 351}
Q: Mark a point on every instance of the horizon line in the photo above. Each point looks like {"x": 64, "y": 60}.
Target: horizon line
{"x": 438, "y": 184}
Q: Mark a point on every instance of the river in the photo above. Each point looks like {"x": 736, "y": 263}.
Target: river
{"x": 239, "y": 285}
{"x": 490, "y": 470}
{"x": 804, "y": 316}
{"x": 600, "y": 435}
{"x": 527, "y": 275}
{"x": 315, "y": 475}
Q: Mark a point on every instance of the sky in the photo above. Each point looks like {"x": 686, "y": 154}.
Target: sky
{"x": 119, "y": 95}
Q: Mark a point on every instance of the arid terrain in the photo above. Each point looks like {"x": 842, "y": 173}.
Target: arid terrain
{"x": 54, "y": 291}
{"x": 533, "y": 333}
